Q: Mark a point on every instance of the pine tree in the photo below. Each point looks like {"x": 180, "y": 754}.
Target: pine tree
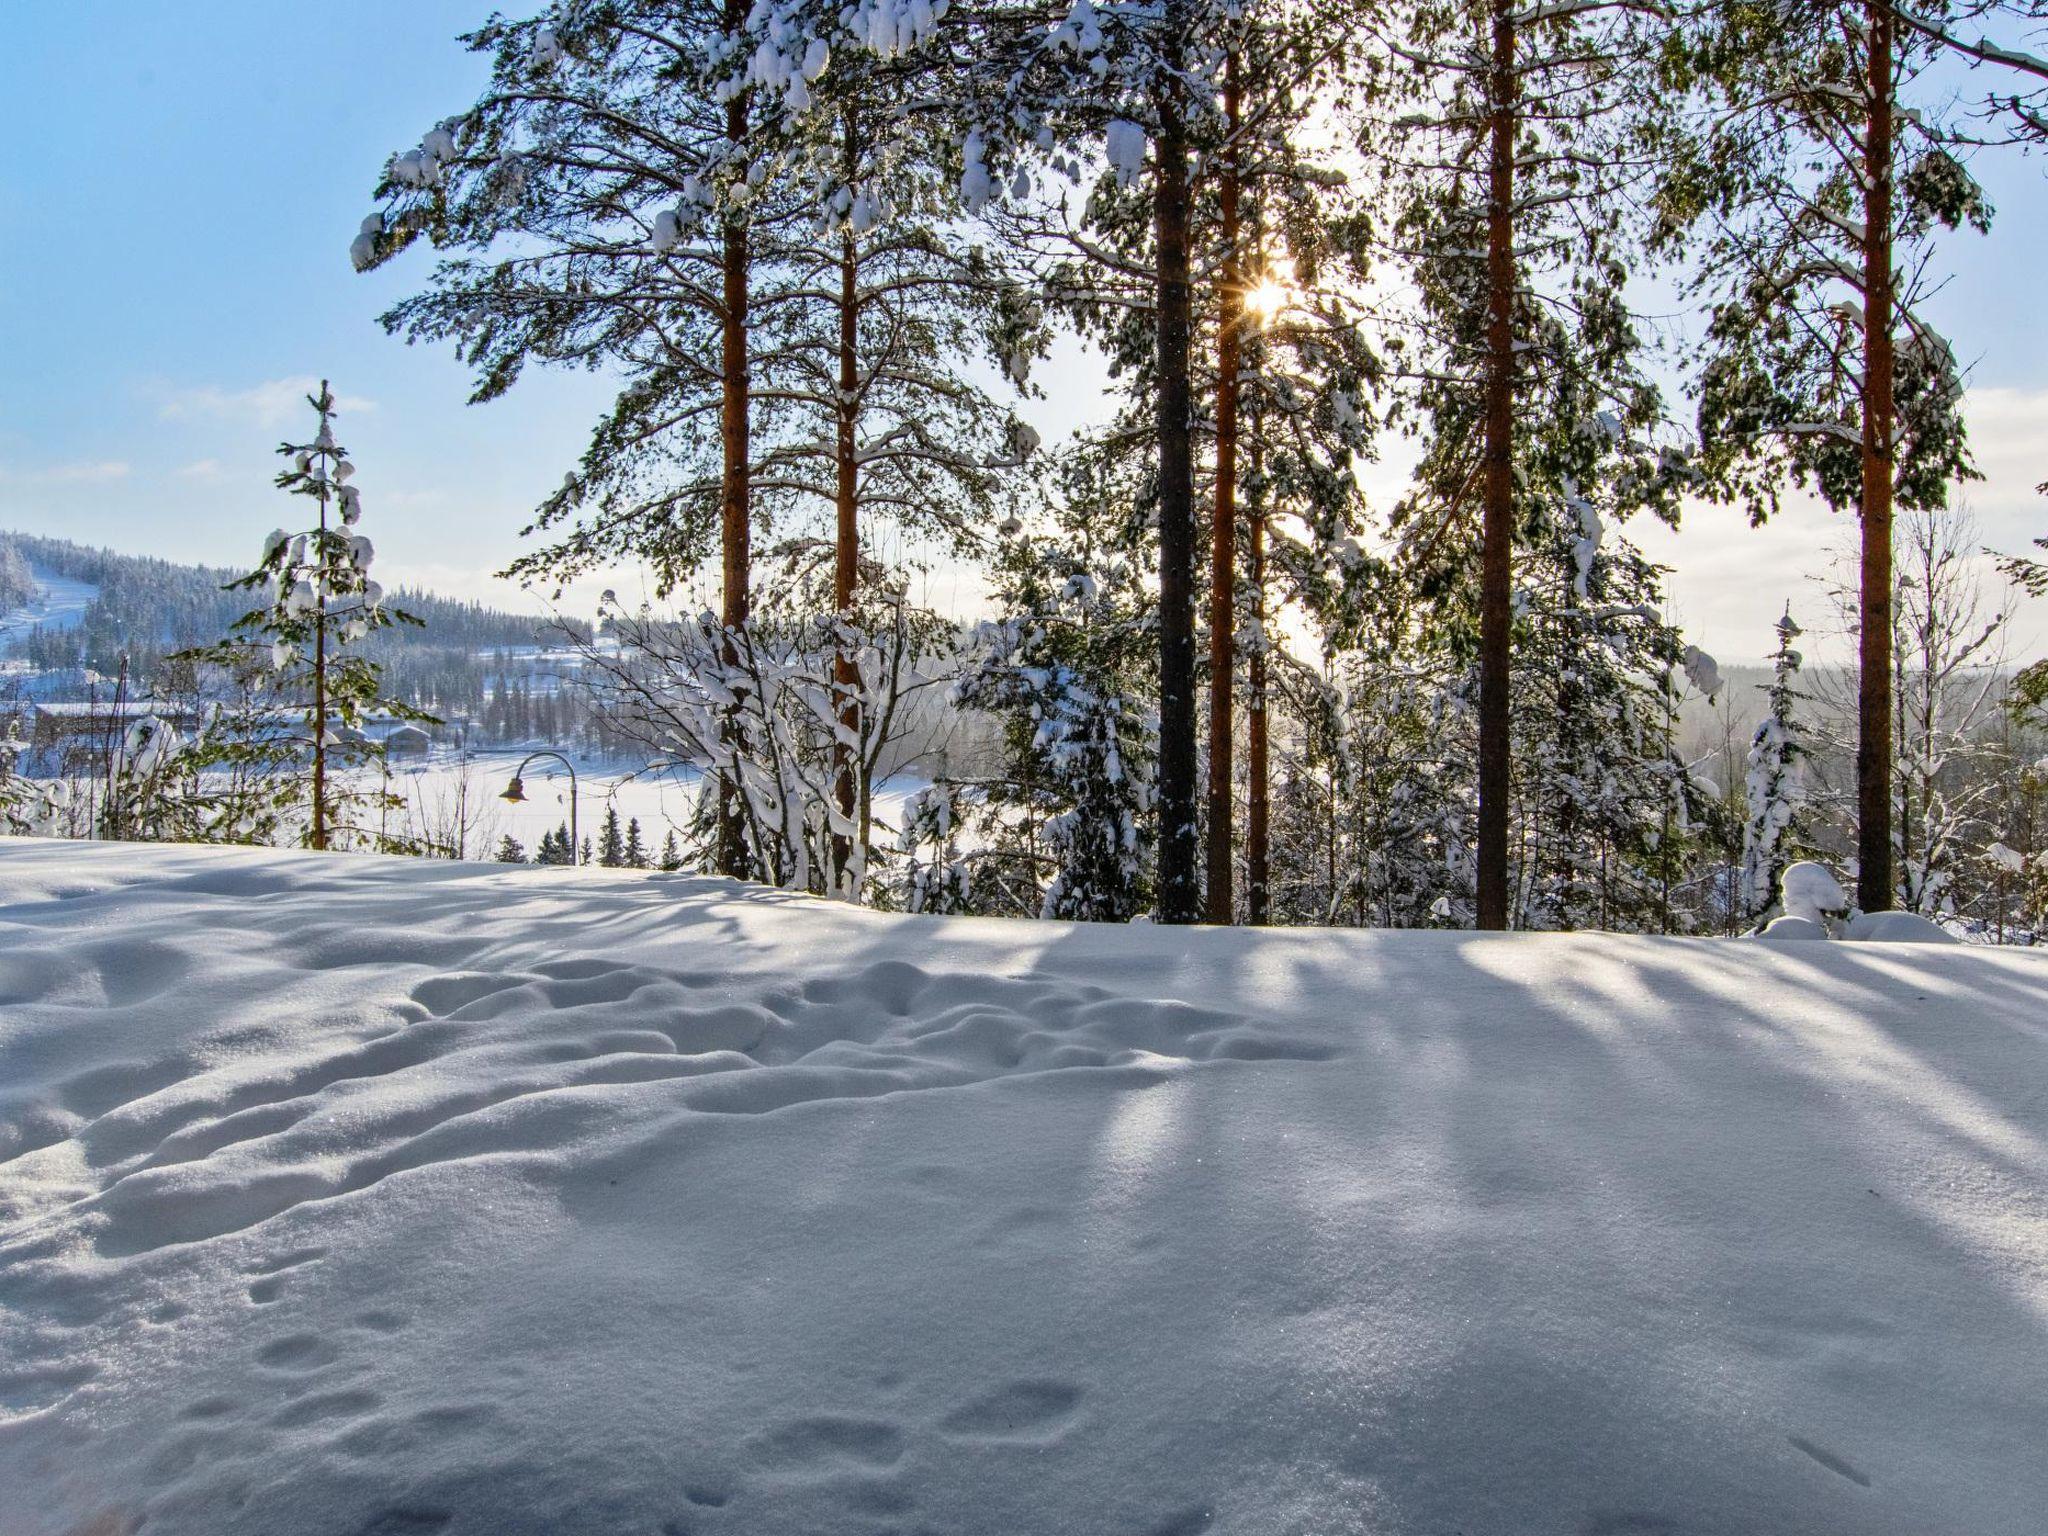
{"x": 1821, "y": 167}
{"x": 511, "y": 852}
{"x": 611, "y": 842}
{"x": 1774, "y": 784}
{"x": 554, "y": 847}
{"x": 671, "y": 854}
{"x": 1033, "y": 86}
{"x": 634, "y": 854}
{"x": 1506, "y": 150}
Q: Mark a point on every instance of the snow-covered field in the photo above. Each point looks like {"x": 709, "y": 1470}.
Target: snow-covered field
{"x": 354, "y": 1195}
{"x": 661, "y": 801}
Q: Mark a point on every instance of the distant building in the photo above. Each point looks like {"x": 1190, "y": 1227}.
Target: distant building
{"x": 407, "y": 741}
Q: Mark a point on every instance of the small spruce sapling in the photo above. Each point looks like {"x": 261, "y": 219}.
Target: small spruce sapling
{"x": 319, "y": 602}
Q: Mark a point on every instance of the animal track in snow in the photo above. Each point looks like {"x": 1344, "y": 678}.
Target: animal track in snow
{"x": 297, "y": 1352}
{"x": 1021, "y": 1412}
{"x": 828, "y": 1443}
{"x": 522, "y": 1059}
{"x": 323, "y": 1407}
{"x": 1830, "y": 1460}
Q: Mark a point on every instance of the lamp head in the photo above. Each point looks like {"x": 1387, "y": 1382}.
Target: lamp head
{"x": 515, "y": 791}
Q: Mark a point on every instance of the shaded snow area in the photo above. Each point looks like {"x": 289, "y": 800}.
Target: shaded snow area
{"x": 354, "y": 1195}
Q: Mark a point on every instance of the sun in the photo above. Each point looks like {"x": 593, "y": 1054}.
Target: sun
{"x": 1272, "y": 294}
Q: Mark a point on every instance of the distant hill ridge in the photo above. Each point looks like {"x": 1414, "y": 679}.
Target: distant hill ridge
{"x": 148, "y": 607}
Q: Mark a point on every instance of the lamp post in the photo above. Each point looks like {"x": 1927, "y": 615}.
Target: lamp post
{"x": 516, "y": 793}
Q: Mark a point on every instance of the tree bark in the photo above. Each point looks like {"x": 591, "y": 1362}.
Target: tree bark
{"x": 846, "y": 548}
{"x": 1258, "y": 901}
{"x": 1179, "y": 886}
{"x": 1874, "y": 873}
{"x": 735, "y": 525}
{"x": 1496, "y": 615}
{"x": 1221, "y": 875}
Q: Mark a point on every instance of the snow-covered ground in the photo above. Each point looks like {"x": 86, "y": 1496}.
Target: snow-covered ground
{"x": 61, "y": 606}
{"x": 350, "y": 1195}
{"x": 660, "y": 801}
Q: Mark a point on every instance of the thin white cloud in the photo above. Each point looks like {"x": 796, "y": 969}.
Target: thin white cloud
{"x": 272, "y": 403}
{"x": 200, "y": 469}
{"x": 86, "y": 472}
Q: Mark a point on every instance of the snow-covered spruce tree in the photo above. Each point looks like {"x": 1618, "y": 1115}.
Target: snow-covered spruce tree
{"x": 31, "y": 807}
{"x": 1823, "y": 162}
{"x": 1605, "y": 807}
{"x": 510, "y": 850}
{"x": 1503, "y": 133}
{"x": 555, "y": 847}
{"x": 319, "y": 601}
{"x": 1066, "y": 823}
{"x": 937, "y": 875}
{"x": 1775, "y": 782}
{"x": 611, "y": 841}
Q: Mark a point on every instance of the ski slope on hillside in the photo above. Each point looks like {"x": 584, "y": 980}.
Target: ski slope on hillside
{"x": 61, "y": 605}
{"x": 348, "y": 1195}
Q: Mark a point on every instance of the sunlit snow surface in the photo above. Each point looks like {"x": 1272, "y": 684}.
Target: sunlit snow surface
{"x": 354, "y": 1195}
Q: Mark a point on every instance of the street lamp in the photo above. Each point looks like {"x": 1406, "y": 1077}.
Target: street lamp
{"x": 516, "y": 793}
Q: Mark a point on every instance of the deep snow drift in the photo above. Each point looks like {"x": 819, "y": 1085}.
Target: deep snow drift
{"x": 353, "y": 1195}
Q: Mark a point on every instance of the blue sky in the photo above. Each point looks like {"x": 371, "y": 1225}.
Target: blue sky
{"x": 176, "y": 201}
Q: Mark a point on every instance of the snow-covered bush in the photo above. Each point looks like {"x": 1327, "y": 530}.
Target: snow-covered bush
{"x": 758, "y": 711}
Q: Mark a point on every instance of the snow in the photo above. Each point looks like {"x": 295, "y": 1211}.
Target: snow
{"x": 1897, "y": 928}
{"x": 348, "y": 1194}
{"x": 1791, "y": 925}
{"x": 60, "y": 605}
{"x": 1810, "y": 890}
{"x": 1124, "y": 143}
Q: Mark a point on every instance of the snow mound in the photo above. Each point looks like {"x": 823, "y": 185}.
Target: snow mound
{"x": 1898, "y": 928}
{"x": 1810, "y": 890}
{"x": 348, "y": 1195}
{"x": 1787, "y": 926}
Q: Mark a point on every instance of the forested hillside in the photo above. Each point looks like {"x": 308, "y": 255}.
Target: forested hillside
{"x": 149, "y": 607}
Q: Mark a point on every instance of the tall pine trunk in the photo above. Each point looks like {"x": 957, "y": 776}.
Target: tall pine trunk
{"x": 846, "y": 548}
{"x": 1179, "y": 887}
{"x": 1873, "y": 689}
{"x": 1223, "y": 535}
{"x": 1258, "y": 879}
{"x": 1496, "y": 615}
{"x": 735, "y": 525}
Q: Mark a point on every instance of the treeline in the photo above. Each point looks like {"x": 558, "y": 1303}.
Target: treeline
{"x": 146, "y": 609}
{"x": 810, "y": 237}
